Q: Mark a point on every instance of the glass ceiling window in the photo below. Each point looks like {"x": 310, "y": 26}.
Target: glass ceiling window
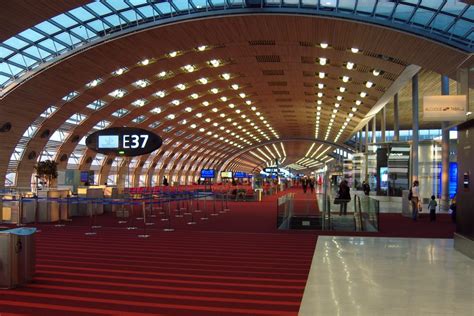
{"x": 446, "y": 21}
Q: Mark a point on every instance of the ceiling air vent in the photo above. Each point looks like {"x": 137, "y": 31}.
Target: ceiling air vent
{"x": 307, "y": 44}
{"x": 307, "y": 60}
{"x": 389, "y": 76}
{"x": 273, "y": 72}
{"x": 262, "y": 42}
{"x": 268, "y": 58}
{"x": 277, "y": 83}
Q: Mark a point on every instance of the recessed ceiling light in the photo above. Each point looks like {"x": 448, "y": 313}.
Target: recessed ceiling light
{"x": 324, "y": 45}
{"x": 160, "y": 94}
{"x": 346, "y": 78}
{"x": 355, "y": 50}
{"x": 214, "y": 90}
{"x": 350, "y": 65}
{"x": 322, "y": 75}
{"x": 320, "y": 85}
{"x": 173, "y": 54}
{"x": 203, "y": 81}
{"x": 223, "y": 99}
{"x": 144, "y": 62}
{"x": 214, "y": 62}
{"x": 235, "y": 86}
{"x": 376, "y": 72}
{"x": 226, "y": 76}
{"x": 363, "y": 94}
{"x": 162, "y": 74}
{"x": 188, "y": 109}
{"x": 248, "y": 102}
{"x": 369, "y": 84}
{"x": 358, "y": 102}
{"x": 320, "y": 94}
{"x": 323, "y": 61}
{"x": 170, "y": 116}
{"x": 202, "y": 48}
{"x": 342, "y": 89}
{"x": 181, "y": 86}
{"x": 175, "y": 102}
{"x": 231, "y": 105}
{"x": 194, "y": 96}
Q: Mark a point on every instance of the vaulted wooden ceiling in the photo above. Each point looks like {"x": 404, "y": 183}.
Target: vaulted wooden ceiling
{"x": 275, "y": 73}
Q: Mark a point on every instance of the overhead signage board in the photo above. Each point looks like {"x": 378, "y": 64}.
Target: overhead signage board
{"x": 240, "y": 175}
{"x": 444, "y": 108}
{"x": 272, "y": 170}
{"x": 226, "y": 174}
{"x": 124, "y": 141}
{"x": 208, "y": 173}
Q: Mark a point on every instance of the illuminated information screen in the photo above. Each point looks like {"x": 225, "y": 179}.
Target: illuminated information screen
{"x": 108, "y": 141}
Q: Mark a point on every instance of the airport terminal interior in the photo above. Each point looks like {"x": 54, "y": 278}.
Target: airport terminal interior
{"x": 237, "y": 157}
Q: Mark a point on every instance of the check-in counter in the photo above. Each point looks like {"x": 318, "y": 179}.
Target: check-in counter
{"x": 111, "y": 193}
{"x": 16, "y": 210}
{"x": 51, "y": 206}
{"x": 89, "y": 200}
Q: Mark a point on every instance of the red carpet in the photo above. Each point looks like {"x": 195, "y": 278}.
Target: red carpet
{"x": 235, "y": 263}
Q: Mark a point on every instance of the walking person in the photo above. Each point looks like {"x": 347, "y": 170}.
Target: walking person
{"x": 366, "y": 187}
{"x": 432, "y": 207}
{"x": 165, "y": 181}
{"x": 344, "y": 196}
{"x": 414, "y": 197}
{"x": 311, "y": 185}
{"x": 304, "y": 184}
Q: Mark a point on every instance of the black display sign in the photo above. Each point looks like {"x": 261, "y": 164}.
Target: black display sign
{"x": 124, "y": 141}
{"x": 272, "y": 170}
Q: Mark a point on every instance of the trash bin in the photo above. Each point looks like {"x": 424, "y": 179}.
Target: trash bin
{"x": 17, "y": 256}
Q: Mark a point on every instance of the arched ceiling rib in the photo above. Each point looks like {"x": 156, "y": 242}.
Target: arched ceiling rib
{"x": 279, "y": 72}
{"x": 448, "y": 22}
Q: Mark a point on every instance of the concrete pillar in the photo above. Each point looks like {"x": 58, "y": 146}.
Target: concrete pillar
{"x": 415, "y": 127}
{"x": 463, "y": 88}
{"x": 444, "y": 205}
{"x": 360, "y": 140}
{"x": 366, "y": 138}
{"x": 383, "y": 124}
{"x": 366, "y": 156}
{"x": 396, "y": 120}
{"x": 374, "y": 129}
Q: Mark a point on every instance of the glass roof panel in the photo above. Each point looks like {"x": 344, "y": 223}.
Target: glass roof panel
{"x": 64, "y": 20}
{"x": 451, "y": 20}
{"x": 47, "y": 27}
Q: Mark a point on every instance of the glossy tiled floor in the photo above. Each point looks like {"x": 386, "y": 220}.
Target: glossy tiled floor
{"x": 388, "y": 276}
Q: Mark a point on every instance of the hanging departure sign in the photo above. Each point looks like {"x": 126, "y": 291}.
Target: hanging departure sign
{"x": 124, "y": 141}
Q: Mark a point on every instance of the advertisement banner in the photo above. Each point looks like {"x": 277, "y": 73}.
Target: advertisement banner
{"x": 444, "y": 108}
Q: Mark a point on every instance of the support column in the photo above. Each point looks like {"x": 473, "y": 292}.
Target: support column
{"x": 360, "y": 140}
{"x": 415, "y": 127}
{"x": 374, "y": 129}
{"x": 383, "y": 124}
{"x": 463, "y": 88}
{"x": 396, "y": 120}
{"x": 366, "y": 156}
{"x": 366, "y": 138}
{"x": 444, "y": 205}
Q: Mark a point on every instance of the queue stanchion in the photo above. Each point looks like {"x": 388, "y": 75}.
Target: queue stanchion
{"x": 95, "y": 202}
{"x": 122, "y": 208}
{"x": 91, "y": 231}
{"x": 187, "y": 209}
{"x": 168, "y": 227}
{"x": 197, "y": 210}
{"x": 59, "y": 224}
{"x": 165, "y": 214}
{"x": 222, "y": 211}
{"x": 131, "y": 215}
{"x": 204, "y": 217}
{"x": 144, "y": 235}
{"x": 214, "y": 209}
{"x": 227, "y": 209}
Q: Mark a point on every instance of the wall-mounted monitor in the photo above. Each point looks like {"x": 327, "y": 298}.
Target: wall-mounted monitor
{"x": 226, "y": 174}
{"x": 207, "y": 173}
{"x": 240, "y": 175}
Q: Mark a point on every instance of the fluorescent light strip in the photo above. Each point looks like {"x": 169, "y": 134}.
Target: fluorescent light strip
{"x": 317, "y": 150}
{"x": 263, "y": 153}
{"x": 257, "y": 156}
{"x": 275, "y": 147}
{"x": 324, "y": 151}
{"x": 283, "y": 149}
{"x": 284, "y": 158}
{"x": 310, "y": 148}
{"x": 270, "y": 152}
